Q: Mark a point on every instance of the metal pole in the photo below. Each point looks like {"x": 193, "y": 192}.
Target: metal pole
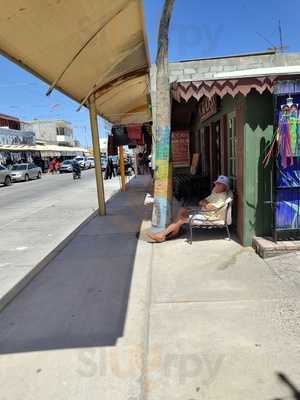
{"x": 97, "y": 156}
{"x": 122, "y": 168}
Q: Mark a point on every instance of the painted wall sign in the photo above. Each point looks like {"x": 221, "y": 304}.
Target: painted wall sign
{"x": 181, "y": 148}
{"x": 14, "y": 137}
{"x": 208, "y": 107}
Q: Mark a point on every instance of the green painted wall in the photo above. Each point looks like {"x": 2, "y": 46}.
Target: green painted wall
{"x": 257, "y": 179}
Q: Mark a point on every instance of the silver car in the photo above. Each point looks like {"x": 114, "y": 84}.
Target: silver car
{"x": 5, "y": 176}
{"x": 26, "y": 171}
{"x": 83, "y": 162}
{"x": 66, "y": 166}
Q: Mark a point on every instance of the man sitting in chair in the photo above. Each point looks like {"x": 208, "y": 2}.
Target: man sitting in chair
{"x": 213, "y": 205}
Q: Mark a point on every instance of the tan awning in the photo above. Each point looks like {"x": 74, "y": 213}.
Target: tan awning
{"x": 83, "y": 47}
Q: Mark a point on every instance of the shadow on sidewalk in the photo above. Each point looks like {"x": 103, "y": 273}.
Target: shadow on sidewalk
{"x": 80, "y": 299}
{"x": 295, "y": 392}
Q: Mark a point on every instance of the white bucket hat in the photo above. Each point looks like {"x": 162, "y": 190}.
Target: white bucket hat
{"x": 223, "y": 179}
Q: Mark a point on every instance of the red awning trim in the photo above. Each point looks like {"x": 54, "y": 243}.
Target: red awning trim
{"x": 187, "y": 90}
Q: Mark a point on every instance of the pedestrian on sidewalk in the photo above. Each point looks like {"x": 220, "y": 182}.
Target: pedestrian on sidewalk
{"x": 51, "y": 167}
{"x": 109, "y": 171}
{"x": 57, "y": 166}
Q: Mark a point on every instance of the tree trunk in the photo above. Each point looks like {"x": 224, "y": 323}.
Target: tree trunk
{"x": 163, "y": 172}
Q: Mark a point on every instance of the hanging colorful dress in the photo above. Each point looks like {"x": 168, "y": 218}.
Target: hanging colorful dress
{"x": 284, "y": 139}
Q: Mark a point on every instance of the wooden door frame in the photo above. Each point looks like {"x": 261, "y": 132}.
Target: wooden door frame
{"x": 240, "y": 151}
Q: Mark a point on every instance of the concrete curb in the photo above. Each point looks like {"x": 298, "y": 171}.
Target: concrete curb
{"x": 135, "y": 338}
{"x": 15, "y": 290}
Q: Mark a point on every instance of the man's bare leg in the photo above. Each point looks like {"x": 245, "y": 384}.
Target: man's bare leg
{"x": 171, "y": 231}
{"x": 182, "y": 213}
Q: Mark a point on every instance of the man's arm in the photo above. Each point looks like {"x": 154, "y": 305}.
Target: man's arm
{"x": 208, "y": 207}
{"x": 202, "y": 203}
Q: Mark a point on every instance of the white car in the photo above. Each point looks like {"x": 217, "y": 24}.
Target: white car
{"x": 25, "y": 171}
{"x": 83, "y": 162}
{"x": 92, "y": 160}
{"x": 5, "y": 176}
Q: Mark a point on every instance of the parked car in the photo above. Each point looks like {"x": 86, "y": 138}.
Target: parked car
{"x": 83, "y": 162}
{"x": 26, "y": 171}
{"x": 5, "y": 176}
{"x": 92, "y": 160}
{"x": 66, "y": 166}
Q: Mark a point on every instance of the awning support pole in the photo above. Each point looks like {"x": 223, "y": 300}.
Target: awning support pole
{"x": 162, "y": 207}
{"x": 122, "y": 169}
{"x": 97, "y": 156}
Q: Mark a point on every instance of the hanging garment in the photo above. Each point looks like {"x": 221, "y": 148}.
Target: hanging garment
{"x": 134, "y": 132}
{"x": 147, "y": 128}
{"x": 293, "y": 127}
{"x": 285, "y": 148}
{"x": 120, "y": 135}
{"x": 112, "y": 148}
{"x": 141, "y": 141}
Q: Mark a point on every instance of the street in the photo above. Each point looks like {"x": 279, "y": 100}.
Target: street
{"x": 37, "y": 216}
{"x": 25, "y": 198}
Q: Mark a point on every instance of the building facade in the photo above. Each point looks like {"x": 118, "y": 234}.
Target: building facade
{"x": 7, "y": 121}
{"x": 39, "y": 141}
{"x": 226, "y": 109}
{"x": 52, "y": 132}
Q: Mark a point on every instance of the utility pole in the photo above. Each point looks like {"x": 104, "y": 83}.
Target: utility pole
{"x": 161, "y": 216}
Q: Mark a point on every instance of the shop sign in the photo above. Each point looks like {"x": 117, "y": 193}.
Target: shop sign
{"x": 181, "y": 148}
{"x": 208, "y": 107}
{"x": 13, "y": 137}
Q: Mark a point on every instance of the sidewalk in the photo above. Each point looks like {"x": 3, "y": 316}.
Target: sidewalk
{"x": 223, "y": 322}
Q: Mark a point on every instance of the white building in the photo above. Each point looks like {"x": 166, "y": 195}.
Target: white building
{"x": 57, "y": 132}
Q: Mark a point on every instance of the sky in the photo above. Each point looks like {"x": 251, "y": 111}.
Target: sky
{"x": 198, "y": 29}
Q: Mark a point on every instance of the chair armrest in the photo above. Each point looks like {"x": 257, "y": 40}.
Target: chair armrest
{"x": 198, "y": 210}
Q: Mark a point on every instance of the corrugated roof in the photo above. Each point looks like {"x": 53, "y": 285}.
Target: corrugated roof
{"x": 83, "y": 47}
{"x": 9, "y": 117}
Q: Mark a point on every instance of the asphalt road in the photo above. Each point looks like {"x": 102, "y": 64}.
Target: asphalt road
{"x": 36, "y": 216}
{"x": 23, "y": 198}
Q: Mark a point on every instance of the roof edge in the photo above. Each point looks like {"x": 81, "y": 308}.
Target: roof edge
{"x": 256, "y": 53}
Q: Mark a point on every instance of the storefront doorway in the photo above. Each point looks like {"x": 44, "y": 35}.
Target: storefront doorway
{"x": 231, "y": 149}
{"x": 215, "y": 150}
